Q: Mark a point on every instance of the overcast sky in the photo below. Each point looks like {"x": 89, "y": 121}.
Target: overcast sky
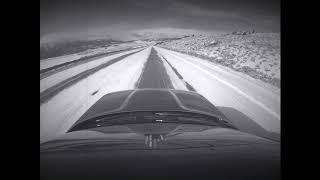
{"x": 125, "y": 15}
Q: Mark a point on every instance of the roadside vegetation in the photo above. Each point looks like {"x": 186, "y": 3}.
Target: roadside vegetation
{"x": 249, "y": 52}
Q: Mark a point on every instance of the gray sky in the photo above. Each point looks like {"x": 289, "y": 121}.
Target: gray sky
{"x": 117, "y": 16}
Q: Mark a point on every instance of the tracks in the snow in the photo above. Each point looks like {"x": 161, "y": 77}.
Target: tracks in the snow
{"x": 67, "y": 65}
{"x": 52, "y": 91}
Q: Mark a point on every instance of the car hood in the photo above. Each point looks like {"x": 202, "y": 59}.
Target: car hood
{"x": 151, "y": 100}
{"x": 165, "y": 149}
{"x": 134, "y": 136}
{"x": 124, "y": 151}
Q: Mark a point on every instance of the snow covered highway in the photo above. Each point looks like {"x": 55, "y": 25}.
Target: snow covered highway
{"x": 50, "y": 66}
{"x": 66, "y": 78}
{"x": 226, "y": 88}
{"x": 57, "y": 77}
{"x": 252, "y": 106}
{"x": 59, "y": 113}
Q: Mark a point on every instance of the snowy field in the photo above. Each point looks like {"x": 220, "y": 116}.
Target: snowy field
{"x": 58, "y": 77}
{"x": 256, "y": 54}
{"x": 258, "y": 101}
{"x": 59, "y": 113}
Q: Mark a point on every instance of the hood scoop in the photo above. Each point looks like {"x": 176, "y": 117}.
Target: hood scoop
{"x": 152, "y": 100}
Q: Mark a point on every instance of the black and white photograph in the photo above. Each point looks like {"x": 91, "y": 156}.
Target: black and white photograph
{"x": 160, "y": 89}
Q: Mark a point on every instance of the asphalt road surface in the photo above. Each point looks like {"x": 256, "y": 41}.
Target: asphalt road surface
{"x": 154, "y": 74}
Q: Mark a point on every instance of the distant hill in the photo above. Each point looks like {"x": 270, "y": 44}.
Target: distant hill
{"x": 58, "y": 44}
{"x": 70, "y": 47}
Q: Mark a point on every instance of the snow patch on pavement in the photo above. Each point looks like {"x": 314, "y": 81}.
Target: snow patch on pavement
{"x": 62, "y": 111}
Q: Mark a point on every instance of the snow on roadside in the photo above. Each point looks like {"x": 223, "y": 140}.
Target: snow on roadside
{"x": 219, "y": 92}
{"x": 267, "y": 94}
{"x": 47, "y": 63}
{"x": 257, "y": 54}
{"x": 58, "y": 114}
{"x": 63, "y": 75}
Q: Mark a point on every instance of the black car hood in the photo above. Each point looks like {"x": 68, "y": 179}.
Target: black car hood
{"x": 150, "y": 150}
{"x": 151, "y": 100}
